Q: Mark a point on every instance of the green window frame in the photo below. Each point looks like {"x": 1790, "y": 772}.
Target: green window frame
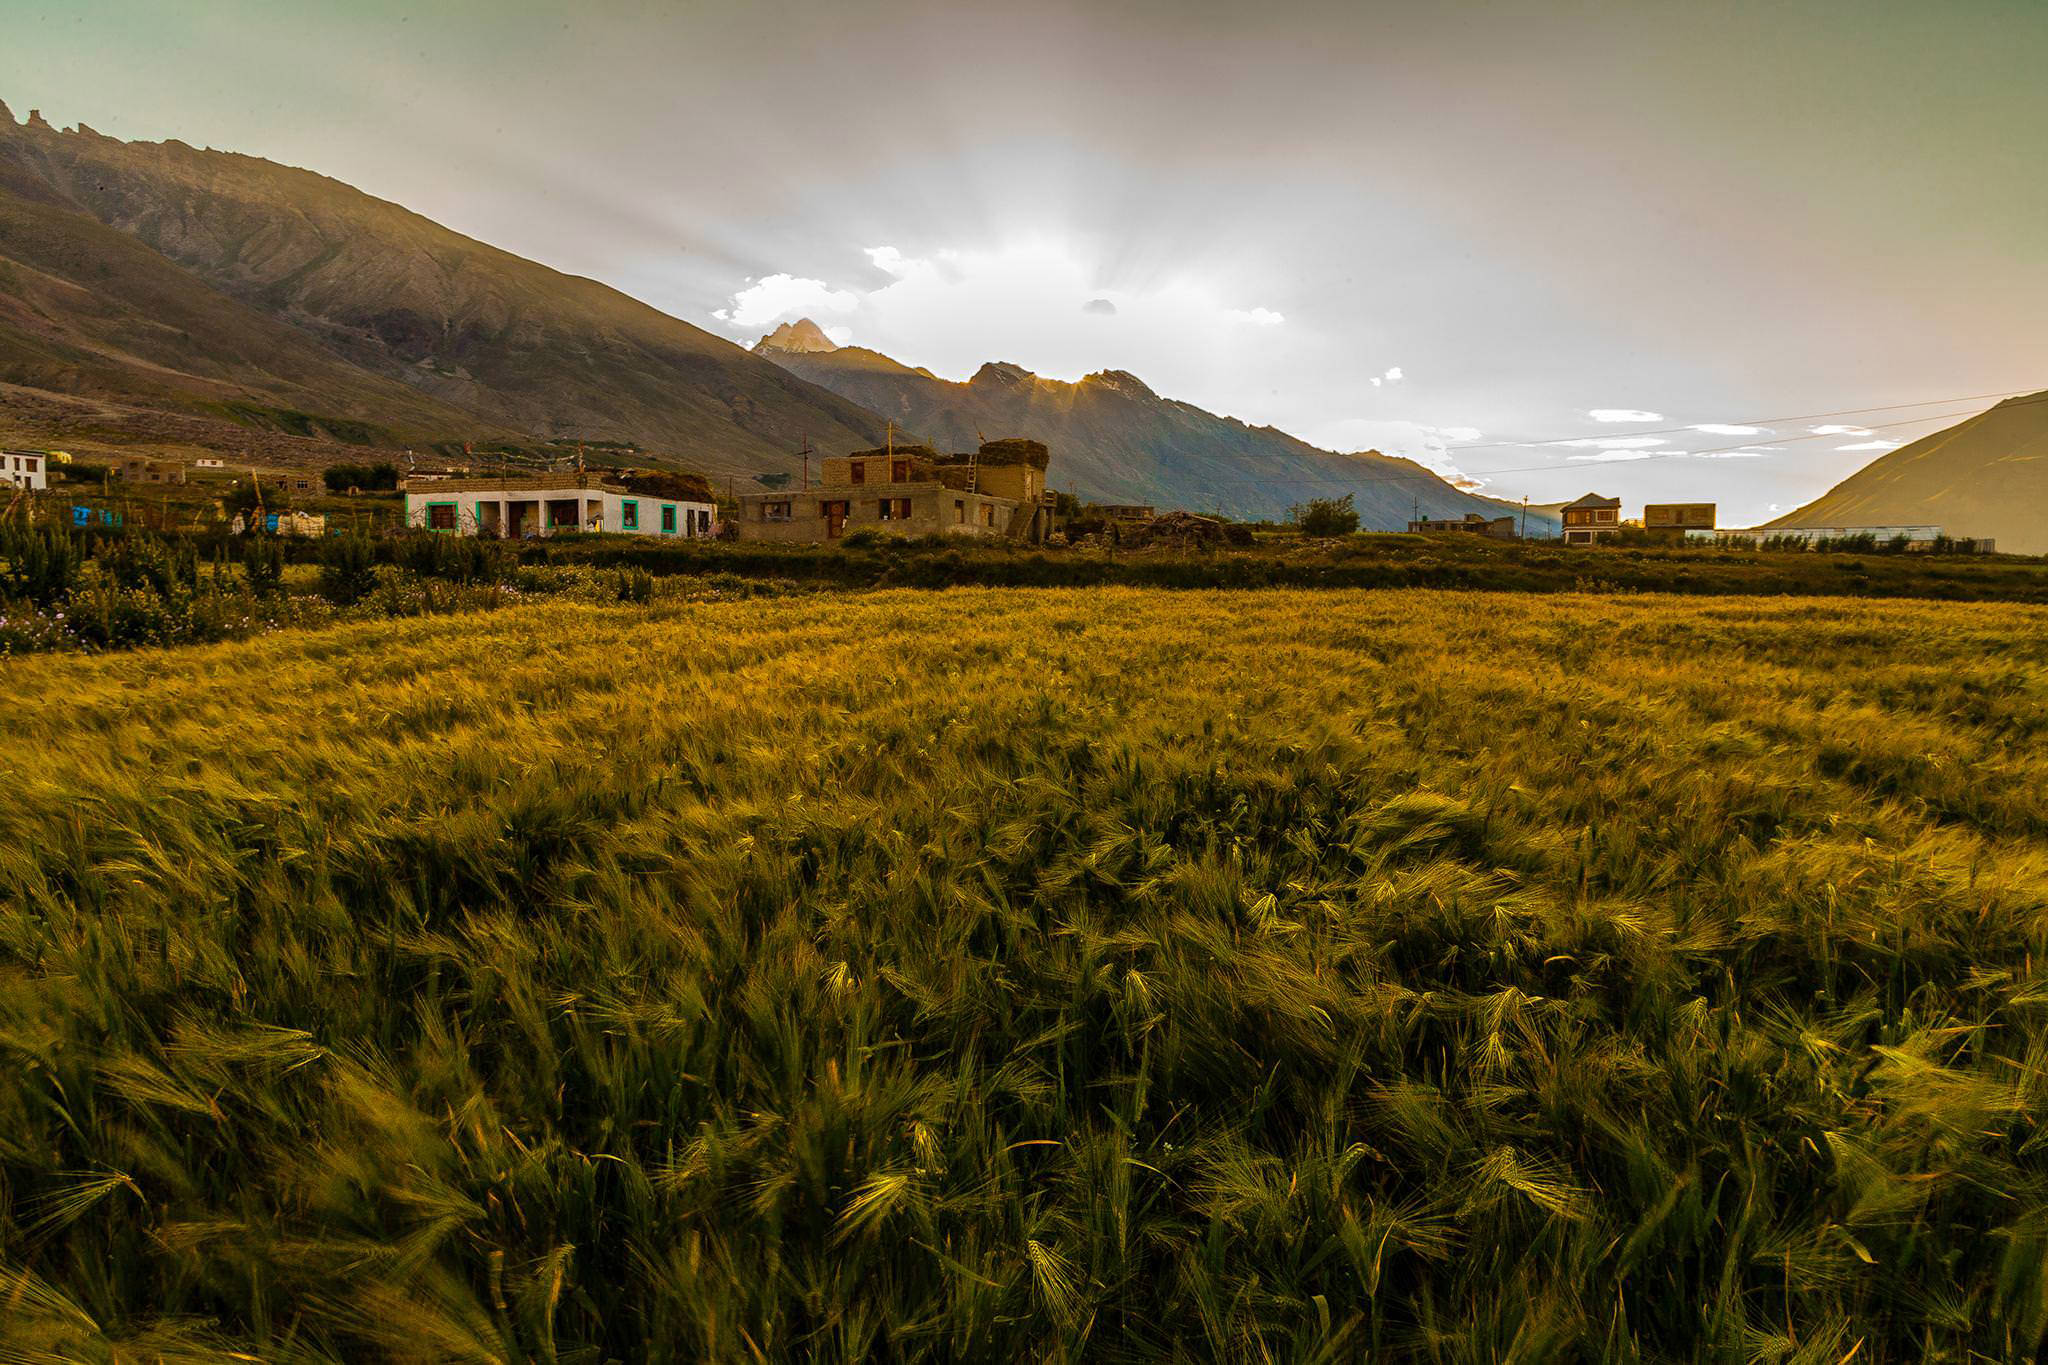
{"x": 668, "y": 518}
{"x": 629, "y": 514}
{"x": 454, "y": 516}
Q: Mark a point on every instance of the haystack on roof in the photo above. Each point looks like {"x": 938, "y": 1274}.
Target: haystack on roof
{"x": 1013, "y": 450}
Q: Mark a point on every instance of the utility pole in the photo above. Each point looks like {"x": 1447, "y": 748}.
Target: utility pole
{"x": 1525, "y": 516}
{"x": 807, "y": 462}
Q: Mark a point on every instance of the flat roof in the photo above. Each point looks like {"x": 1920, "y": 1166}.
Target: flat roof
{"x": 531, "y": 483}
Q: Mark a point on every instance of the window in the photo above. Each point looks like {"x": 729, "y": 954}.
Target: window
{"x": 859, "y": 470}
{"x": 899, "y": 471}
{"x": 668, "y": 519}
{"x": 988, "y": 515}
{"x": 629, "y": 515}
{"x": 441, "y": 516}
{"x": 893, "y": 509}
{"x": 959, "y": 511}
{"x": 775, "y": 511}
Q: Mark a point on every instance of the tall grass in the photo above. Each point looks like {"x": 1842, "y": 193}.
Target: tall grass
{"x": 999, "y": 975}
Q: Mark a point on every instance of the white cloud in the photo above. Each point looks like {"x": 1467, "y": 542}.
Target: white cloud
{"x": 1624, "y": 415}
{"x": 779, "y": 297}
{"x": 1610, "y": 456}
{"x": 1460, "y": 433}
{"x": 1732, "y": 454}
{"x": 1100, "y": 307}
{"x": 1394, "y": 376}
{"x": 839, "y": 335}
{"x": 1615, "y": 442}
{"x": 1257, "y": 317}
{"x": 1837, "y": 429}
{"x": 1728, "y": 429}
{"x": 1871, "y": 445}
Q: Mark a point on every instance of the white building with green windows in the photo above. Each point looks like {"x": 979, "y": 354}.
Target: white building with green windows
{"x": 524, "y": 507}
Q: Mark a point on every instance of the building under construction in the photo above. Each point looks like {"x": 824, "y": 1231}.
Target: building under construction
{"x": 997, "y": 490}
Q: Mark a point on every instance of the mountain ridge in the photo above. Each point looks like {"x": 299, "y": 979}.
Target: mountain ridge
{"x": 1114, "y": 439}
{"x": 1986, "y": 476}
{"x": 493, "y": 340}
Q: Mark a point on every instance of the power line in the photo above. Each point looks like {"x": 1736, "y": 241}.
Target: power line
{"x": 1641, "y": 458}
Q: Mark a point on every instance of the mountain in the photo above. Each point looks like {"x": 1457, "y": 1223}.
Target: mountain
{"x": 802, "y": 335}
{"x": 302, "y": 292}
{"x": 1115, "y": 440}
{"x": 1987, "y": 476}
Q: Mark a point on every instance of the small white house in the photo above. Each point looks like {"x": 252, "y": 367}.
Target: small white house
{"x": 25, "y": 469}
{"x": 522, "y": 507}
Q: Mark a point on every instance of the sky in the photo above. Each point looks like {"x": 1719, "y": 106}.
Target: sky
{"x": 1718, "y": 245}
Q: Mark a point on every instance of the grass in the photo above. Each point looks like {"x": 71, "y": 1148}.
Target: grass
{"x": 1035, "y": 974}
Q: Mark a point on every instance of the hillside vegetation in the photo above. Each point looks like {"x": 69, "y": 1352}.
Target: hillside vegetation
{"x": 1035, "y": 975}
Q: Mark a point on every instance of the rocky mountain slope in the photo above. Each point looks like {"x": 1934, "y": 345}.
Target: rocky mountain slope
{"x": 1987, "y": 476}
{"x": 1113, "y": 439}
{"x": 330, "y": 300}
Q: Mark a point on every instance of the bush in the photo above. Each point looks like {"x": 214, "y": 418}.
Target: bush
{"x": 339, "y": 478}
{"x": 348, "y": 570}
{"x": 149, "y": 563}
{"x": 635, "y": 585}
{"x": 1326, "y": 517}
{"x": 263, "y": 565}
{"x": 43, "y": 562}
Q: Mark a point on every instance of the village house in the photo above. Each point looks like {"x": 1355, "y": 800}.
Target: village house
{"x": 141, "y": 469}
{"x": 999, "y": 490}
{"x": 27, "y": 469}
{"x": 523, "y": 506}
{"x": 1591, "y": 519}
{"x": 1119, "y": 511}
{"x": 1494, "y": 528}
{"x": 1675, "y": 520}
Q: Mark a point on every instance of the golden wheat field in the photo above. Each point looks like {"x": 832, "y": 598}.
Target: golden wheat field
{"x": 1035, "y": 974}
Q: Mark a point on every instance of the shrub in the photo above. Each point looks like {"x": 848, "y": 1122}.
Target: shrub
{"x": 263, "y": 565}
{"x": 348, "y": 570}
{"x": 1326, "y": 516}
{"x": 43, "y": 562}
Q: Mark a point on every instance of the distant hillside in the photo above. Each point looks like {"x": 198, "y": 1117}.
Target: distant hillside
{"x": 1115, "y": 440}
{"x": 1987, "y": 476}
{"x": 334, "y": 302}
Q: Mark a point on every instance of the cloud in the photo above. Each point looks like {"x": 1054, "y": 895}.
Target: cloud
{"x": 1615, "y": 442}
{"x": 1837, "y": 429}
{"x": 1100, "y": 307}
{"x": 1610, "y": 456}
{"x": 1624, "y": 415}
{"x": 1731, "y": 454}
{"x": 838, "y": 335}
{"x": 777, "y": 297}
{"x": 1392, "y": 376}
{"x": 1460, "y": 433}
{"x": 1257, "y": 317}
{"x": 1871, "y": 445}
{"x": 1728, "y": 429}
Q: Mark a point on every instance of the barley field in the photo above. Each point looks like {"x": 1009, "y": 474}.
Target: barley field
{"x": 1035, "y": 974}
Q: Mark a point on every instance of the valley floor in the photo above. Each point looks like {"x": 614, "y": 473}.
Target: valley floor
{"x": 998, "y": 974}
